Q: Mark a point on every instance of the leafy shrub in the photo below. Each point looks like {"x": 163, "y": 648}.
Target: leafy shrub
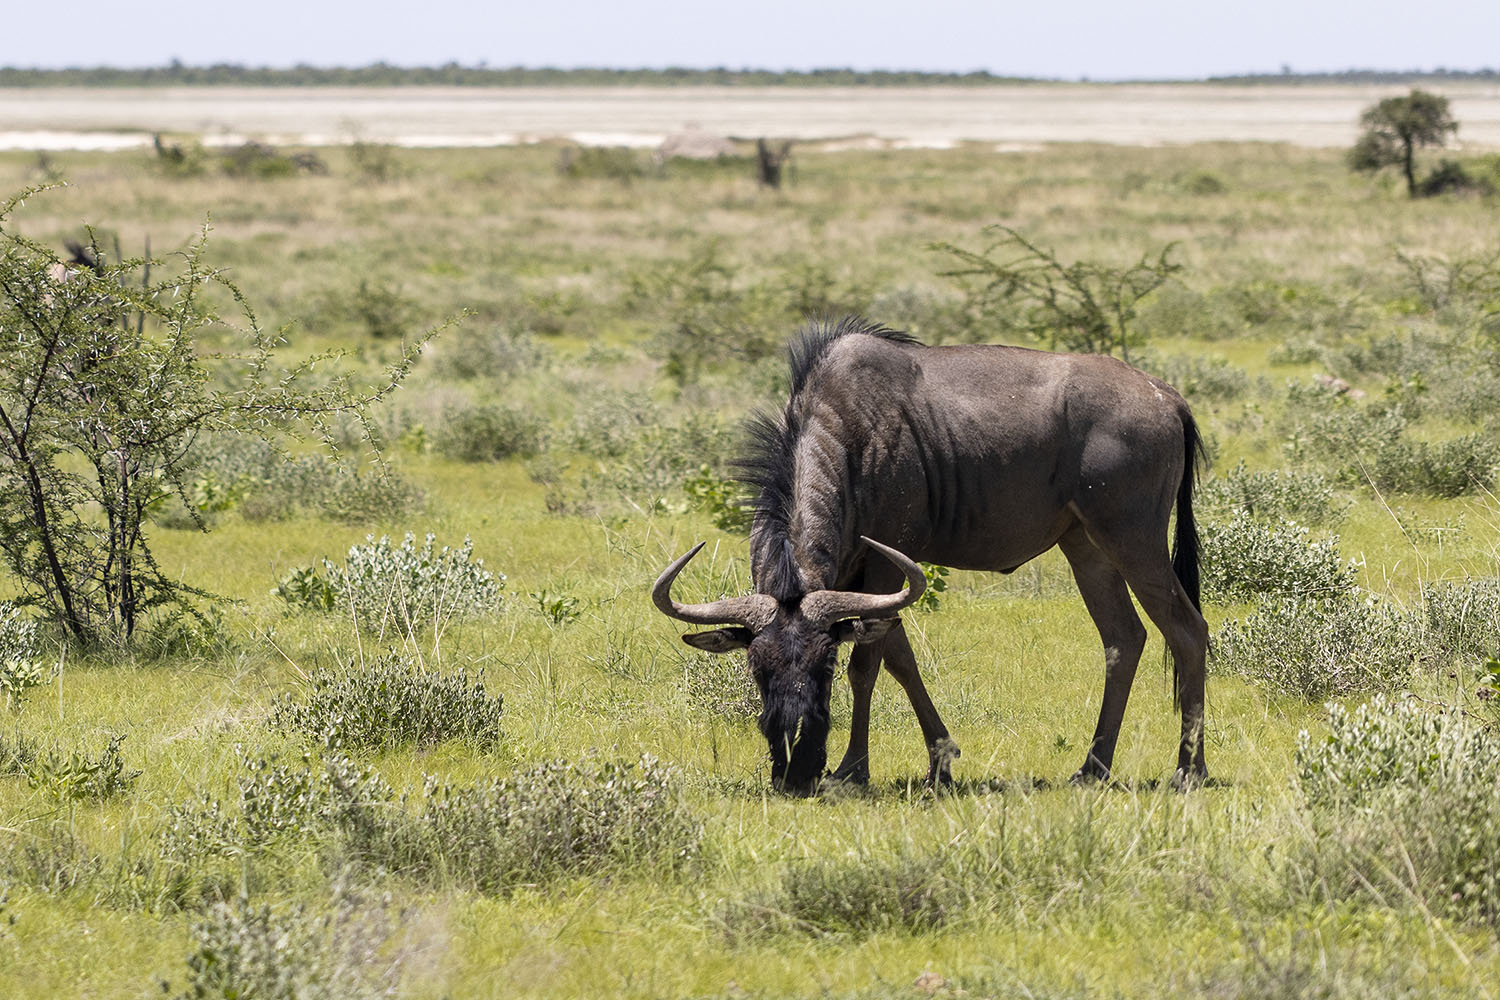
{"x": 937, "y": 585}
{"x": 1200, "y": 182}
{"x": 855, "y": 896}
{"x": 1244, "y": 558}
{"x": 1405, "y": 802}
{"x": 1317, "y": 648}
{"x": 242, "y": 950}
{"x": 383, "y": 312}
{"x": 1198, "y": 377}
{"x": 1278, "y": 495}
{"x": 488, "y": 433}
{"x": 390, "y": 702}
{"x": 1015, "y": 284}
{"x": 375, "y": 161}
{"x": 615, "y": 163}
{"x": 555, "y": 819}
{"x": 557, "y": 609}
{"x": 1450, "y": 468}
{"x": 1385, "y": 745}
{"x": 21, "y": 668}
{"x": 721, "y": 498}
{"x": 263, "y": 482}
{"x": 410, "y": 587}
{"x": 260, "y": 161}
{"x": 79, "y": 777}
{"x": 498, "y": 352}
{"x": 1463, "y": 618}
{"x": 654, "y": 466}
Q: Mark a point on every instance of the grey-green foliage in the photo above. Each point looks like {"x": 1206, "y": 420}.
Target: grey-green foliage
{"x": 390, "y": 701}
{"x": 1405, "y": 803}
{"x": 78, "y": 776}
{"x": 241, "y": 951}
{"x": 21, "y": 667}
{"x": 1200, "y": 378}
{"x": 488, "y": 433}
{"x": 1244, "y": 558}
{"x": 1321, "y": 647}
{"x": 397, "y": 588}
{"x": 553, "y": 820}
{"x": 1463, "y": 618}
{"x": 854, "y": 896}
{"x": 1373, "y": 445}
{"x": 1276, "y": 495}
{"x": 264, "y": 482}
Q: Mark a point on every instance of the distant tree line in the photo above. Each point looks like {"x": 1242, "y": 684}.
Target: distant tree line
{"x": 454, "y": 75}
{"x": 1380, "y": 76}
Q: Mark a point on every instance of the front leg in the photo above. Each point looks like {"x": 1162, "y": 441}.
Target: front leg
{"x": 902, "y": 664}
{"x": 864, "y": 668}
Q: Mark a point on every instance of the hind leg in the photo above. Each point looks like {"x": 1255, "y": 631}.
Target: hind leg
{"x": 1124, "y": 637}
{"x": 1142, "y": 559}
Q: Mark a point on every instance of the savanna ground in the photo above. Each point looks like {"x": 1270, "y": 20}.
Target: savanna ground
{"x": 620, "y": 320}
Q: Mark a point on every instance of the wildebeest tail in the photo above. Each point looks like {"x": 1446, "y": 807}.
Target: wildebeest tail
{"x": 1185, "y": 543}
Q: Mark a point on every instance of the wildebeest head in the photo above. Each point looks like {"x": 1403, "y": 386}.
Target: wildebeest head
{"x": 792, "y": 647}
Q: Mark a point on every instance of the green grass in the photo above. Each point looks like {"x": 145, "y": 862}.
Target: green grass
{"x": 1056, "y": 891}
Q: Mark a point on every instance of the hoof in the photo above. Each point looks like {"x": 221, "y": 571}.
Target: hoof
{"x": 856, "y": 774}
{"x": 940, "y": 757}
{"x": 1089, "y": 776}
{"x": 1186, "y": 779}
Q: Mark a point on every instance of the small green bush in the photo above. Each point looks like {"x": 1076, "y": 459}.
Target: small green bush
{"x": 79, "y": 777}
{"x": 1452, "y": 468}
{"x": 852, "y": 896}
{"x": 21, "y": 667}
{"x": 615, "y": 163}
{"x": 1404, "y": 802}
{"x": 263, "y": 483}
{"x": 498, "y": 353}
{"x": 556, "y": 819}
{"x": 405, "y": 587}
{"x": 488, "y": 433}
{"x": 1201, "y": 378}
{"x": 1320, "y": 647}
{"x": 1278, "y": 495}
{"x": 245, "y": 951}
{"x": 1463, "y": 618}
{"x": 1243, "y": 559}
{"x": 390, "y": 702}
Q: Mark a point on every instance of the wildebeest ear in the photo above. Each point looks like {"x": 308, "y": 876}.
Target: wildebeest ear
{"x": 720, "y": 640}
{"x": 862, "y": 630}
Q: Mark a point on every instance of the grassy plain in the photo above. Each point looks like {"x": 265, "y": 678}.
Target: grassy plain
{"x": 1060, "y": 891}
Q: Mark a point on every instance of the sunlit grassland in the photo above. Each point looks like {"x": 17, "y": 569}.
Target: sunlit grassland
{"x": 1125, "y": 890}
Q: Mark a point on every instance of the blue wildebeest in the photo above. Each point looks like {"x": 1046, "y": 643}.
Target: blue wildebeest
{"x": 975, "y": 457}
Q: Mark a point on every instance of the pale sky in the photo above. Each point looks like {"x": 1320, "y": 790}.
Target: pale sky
{"x": 1099, "y": 39}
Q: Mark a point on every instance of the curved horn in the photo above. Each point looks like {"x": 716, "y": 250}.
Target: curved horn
{"x": 754, "y": 611}
{"x": 829, "y": 606}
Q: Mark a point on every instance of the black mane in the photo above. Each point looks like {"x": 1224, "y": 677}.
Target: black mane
{"x": 766, "y": 465}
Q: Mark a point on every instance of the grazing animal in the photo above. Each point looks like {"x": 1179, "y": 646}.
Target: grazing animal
{"x": 975, "y": 457}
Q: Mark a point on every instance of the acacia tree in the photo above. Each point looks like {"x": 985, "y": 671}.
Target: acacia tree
{"x": 102, "y": 394}
{"x": 1396, "y": 127}
{"x": 1014, "y": 283}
